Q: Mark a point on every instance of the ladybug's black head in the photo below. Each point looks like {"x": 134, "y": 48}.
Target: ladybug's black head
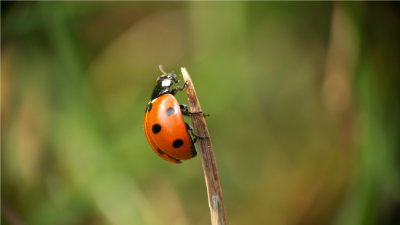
{"x": 167, "y": 79}
{"x": 164, "y": 84}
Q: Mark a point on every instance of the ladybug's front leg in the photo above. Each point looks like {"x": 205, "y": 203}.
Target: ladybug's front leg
{"x": 185, "y": 111}
{"x": 180, "y": 88}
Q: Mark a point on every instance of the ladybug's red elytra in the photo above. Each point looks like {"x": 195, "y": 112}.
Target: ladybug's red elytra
{"x": 164, "y": 127}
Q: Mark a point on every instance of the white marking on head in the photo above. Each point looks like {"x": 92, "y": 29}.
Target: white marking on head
{"x": 166, "y": 83}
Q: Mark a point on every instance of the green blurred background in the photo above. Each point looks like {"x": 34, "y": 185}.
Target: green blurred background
{"x": 303, "y": 100}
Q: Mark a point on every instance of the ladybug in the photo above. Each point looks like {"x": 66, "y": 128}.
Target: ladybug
{"x": 164, "y": 126}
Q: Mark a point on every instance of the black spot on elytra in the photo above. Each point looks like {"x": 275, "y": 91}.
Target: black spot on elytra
{"x": 170, "y": 111}
{"x": 177, "y": 143}
{"x": 156, "y": 128}
{"x": 149, "y": 106}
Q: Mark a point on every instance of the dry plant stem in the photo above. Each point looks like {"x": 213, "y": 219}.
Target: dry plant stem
{"x": 214, "y": 191}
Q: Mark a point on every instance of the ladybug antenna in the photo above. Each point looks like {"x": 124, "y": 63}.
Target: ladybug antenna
{"x": 162, "y": 70}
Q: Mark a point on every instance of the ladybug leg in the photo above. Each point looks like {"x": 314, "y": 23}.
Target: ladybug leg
{"x": 179, "y": 88}
{"x": 194, "y": 139}
{"x": 190, "y": 129}
{"x": 185, "y": 111}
